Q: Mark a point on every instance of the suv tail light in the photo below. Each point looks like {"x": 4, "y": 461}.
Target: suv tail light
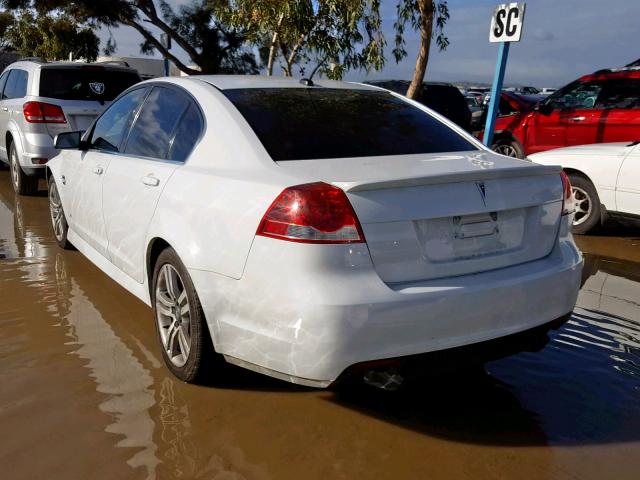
{"x": 40, "y": 112}
{"x": 312, "y": 213}
{"x": 568, "y": 205}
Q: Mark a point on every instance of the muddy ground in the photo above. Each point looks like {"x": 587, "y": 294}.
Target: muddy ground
{"x": 84, "y": 393}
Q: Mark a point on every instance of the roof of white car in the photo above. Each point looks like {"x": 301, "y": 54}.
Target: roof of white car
{"x": 227, "y": 82}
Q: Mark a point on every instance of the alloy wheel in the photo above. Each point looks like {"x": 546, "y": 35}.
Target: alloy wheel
{"x": 57, "y": 214}
{"x": 173, "y": 314}
{"x": 583, "y": 205}
{"x": 506, "y": 149}
{"x": 15, "y": 173}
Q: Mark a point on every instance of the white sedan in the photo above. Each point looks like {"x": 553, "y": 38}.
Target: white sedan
{"x": 605, "y": 179}
{"x": 307, "y": 231}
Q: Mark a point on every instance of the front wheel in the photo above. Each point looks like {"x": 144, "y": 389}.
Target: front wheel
{"x": 180, "y": 322}
{"x": 23, "y": 184}
{"x": 58, "y": 218}
{"x": 587, "y": 204}
{"x": 507, "y": 147}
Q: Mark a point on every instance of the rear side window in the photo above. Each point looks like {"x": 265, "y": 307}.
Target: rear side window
{"x": 623, "y": 94}
{"x": 313, "y": 123}
{"x": 186, "y": 135}
{"x": 154, "y": 128}
{"x": 110, "y": 129}
{"x": 85, "y": 83}
{"x": 16, "y": 86}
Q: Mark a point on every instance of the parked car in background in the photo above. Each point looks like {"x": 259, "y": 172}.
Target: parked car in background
{"x": 314, "y": 231}
{"x": 524, "y": 90}
{"x": 546, "y": 91}
{"x": 597, "y": 108}
{"x": 38, "y": 100}
{"x": 444, "y": 98}
{"x": 477, "y": 112}
{"x": 605, "y": 179}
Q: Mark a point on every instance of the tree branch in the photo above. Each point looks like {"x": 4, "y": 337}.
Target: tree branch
{"x": 158, "y": 46}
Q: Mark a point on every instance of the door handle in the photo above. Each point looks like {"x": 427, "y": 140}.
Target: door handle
{"x": 577, "y": 119}
{"x": 98, "y": 170}
{"x": 150, "y": 181}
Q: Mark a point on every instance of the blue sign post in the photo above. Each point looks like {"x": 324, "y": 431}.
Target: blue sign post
{"x": 506, "y": 27}
{"x": 496, "y": 88}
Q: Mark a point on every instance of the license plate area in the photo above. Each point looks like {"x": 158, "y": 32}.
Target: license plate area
{"x": 472, "y": 226}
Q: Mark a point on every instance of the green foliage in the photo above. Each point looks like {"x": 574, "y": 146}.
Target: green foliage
{"x": 409, "y": 13}
{"x": 211, "y": 46}
{"x": 338, "y": 35}
{"x": 52, "y": 37}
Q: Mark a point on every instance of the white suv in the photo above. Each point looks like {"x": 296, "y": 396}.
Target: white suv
{"x": 38, "y": 100}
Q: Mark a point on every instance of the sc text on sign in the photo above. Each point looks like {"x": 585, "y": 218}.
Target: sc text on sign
{"x": 507, "y": 22}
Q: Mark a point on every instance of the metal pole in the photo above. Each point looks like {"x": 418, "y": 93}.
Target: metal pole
{"x": 166, "y": 67}
{"x": 492, "y": 113}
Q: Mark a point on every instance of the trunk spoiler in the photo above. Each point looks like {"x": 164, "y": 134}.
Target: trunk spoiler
{"x": 477, "y": 175}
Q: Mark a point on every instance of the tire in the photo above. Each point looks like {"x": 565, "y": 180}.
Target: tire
{"x": 181, "y": 327}
{"x": 58, "y": 218}
{"x": 588, "y": 210}
{"x": 508, "y": 147}
{"x": 23, "y": 184}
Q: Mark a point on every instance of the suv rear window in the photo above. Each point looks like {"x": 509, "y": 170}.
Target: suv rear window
{"x": 88, "y": 83}
{"x": 314, "y": 123}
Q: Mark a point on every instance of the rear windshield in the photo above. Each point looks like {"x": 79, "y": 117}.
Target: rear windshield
{"x": 87, "y": 83}
{"x": 313, "y": 123}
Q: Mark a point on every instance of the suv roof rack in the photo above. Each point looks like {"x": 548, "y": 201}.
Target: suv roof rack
{"x": 632, "y": 68}
{"x": 32, "y": 59}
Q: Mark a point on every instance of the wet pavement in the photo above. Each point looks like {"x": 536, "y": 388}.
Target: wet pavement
{"x": 84, "y": 393}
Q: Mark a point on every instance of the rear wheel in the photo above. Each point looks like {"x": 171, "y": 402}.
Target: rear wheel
{"x": 180, "y": 322}
{"x": 587, "y": 204}
{"x": 508, "y": 147}
{"x": 23, "y": 184}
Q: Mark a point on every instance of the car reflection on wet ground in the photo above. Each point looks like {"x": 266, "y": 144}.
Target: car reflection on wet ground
{"x": 84, "y": 394}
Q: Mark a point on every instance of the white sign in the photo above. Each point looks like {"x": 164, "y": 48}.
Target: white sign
{"x": 506, "y": 23}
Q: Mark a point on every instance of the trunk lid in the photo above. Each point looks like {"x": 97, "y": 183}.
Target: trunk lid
{"x": 435, "y": 216}
{"x": 79, "y": 114}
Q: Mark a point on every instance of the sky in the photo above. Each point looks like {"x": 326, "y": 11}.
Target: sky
{"x": 562, "y": 40}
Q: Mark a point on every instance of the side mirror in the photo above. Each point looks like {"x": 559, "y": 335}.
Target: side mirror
{"x": 69, "y": 141}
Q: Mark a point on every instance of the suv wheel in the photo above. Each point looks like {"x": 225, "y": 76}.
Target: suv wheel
{"x": 587, "y": 204}
{"x": 508, "y": 147}
{"x": 23, "y": 184}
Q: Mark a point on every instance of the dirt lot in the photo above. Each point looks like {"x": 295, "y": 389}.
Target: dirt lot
{"x": 84, "y": 394}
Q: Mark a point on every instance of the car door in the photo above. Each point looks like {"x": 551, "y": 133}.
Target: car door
{"x": 628, "y": 186}
{"x": 135, "y": 180}
{"x": 619, "y": 103}
{"x": 84, "y": 171}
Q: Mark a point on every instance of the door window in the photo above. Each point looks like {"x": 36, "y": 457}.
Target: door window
{"x": 624, "y": 94}
{"x": 112, "y": 126}
{"x": 154, "y": 128}
{"x": 16, "y": 86}
{"x": 186, "y": 135}
{"x": 578, "y": 95}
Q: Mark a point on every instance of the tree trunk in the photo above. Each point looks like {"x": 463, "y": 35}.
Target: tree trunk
{"x": 426, "y": 29}
{"x": 273, "y": 46}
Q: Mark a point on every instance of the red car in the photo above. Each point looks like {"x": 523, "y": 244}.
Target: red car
{"x": 597, "y": 108}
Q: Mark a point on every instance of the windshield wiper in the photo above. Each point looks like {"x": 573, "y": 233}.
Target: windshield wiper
{"x": 633, "y": 144}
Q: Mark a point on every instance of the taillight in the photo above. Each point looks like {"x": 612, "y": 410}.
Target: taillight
{"x": 568, "y": 205}
{"x": 40, "y": 112}
{"x": 312, "y": 213}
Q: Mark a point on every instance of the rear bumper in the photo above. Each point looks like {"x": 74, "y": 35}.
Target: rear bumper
{"x": 308, "y": 318}
{"x": 36, "y": 145}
